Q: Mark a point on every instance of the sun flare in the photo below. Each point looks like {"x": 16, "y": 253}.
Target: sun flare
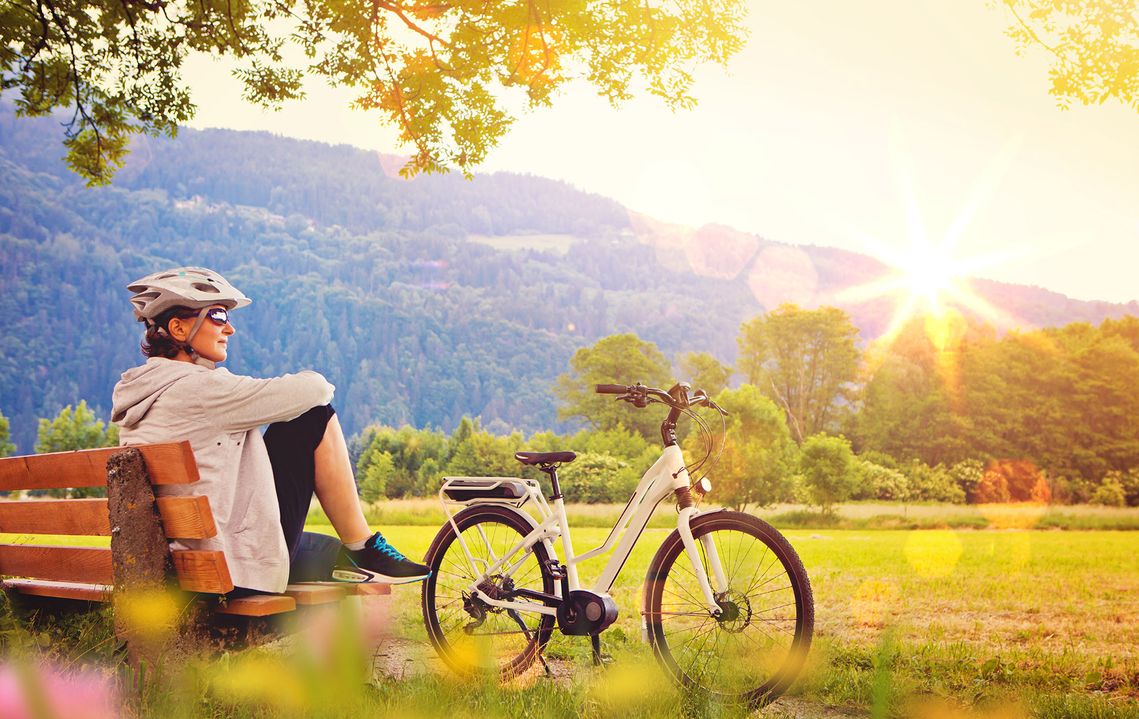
{"x": 930, "y": 279}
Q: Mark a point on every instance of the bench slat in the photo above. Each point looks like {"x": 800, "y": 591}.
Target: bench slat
{"x": 258, "y": 606}
{"x": 87, "y": 565}
{"x": 171, "y": 463}
{"x": 62, "y": 590}
{"x": 182, "y": 517}
{"x": 198, "y": 571}
{"x": 316, "y": 593}
{"x": 202, "y": 571}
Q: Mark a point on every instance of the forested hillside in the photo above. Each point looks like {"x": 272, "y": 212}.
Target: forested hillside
{"x": 373, "y": 280}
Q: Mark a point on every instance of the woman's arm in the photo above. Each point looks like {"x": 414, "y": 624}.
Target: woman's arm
{"x": 235, "y": 402}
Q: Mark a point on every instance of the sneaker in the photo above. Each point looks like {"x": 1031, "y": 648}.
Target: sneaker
{"x": 377, "y": 562}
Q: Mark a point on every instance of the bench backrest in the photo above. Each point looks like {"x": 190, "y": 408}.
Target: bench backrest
{"x": 182, "y": 518}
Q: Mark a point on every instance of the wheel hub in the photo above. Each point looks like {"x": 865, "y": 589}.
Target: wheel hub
{"x": 735, "y": 611}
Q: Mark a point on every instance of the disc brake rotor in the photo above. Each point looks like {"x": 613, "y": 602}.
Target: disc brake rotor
{"x": 735, "y": 611}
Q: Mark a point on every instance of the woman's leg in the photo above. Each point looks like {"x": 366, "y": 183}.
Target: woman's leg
{"x": 292, "y": 449}
{"x": 336, "y": 486}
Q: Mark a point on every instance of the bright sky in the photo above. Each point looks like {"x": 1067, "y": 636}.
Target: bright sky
{"x": 820, "y": 129}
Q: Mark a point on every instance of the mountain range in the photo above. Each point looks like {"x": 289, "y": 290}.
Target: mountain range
{"x": 422, "y": 301}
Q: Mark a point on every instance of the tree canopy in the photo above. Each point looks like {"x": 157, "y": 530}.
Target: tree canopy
{"x": 805, "y": 360}
{"x": 1094, "y": 47}
{"x": 617, "y": 359}
{"x": 443, "y": 73}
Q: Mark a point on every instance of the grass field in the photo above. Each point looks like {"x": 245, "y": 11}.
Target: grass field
{"x": 1031, "y": 622}
{"x": 861, "y": 515}
{"x": 923, "y": 623}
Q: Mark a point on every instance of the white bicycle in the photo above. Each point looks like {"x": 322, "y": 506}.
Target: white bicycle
{"x": 727, "y": 605}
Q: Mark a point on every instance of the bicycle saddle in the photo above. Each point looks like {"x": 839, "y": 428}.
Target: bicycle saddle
{"x": 544, "y": 457}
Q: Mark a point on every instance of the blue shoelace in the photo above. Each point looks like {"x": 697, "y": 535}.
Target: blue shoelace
{"x": 381, "y": 545}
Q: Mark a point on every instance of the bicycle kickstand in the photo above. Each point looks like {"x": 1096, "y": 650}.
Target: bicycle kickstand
{"x": 599, "y": 659}
{"x": 513, "y": 614}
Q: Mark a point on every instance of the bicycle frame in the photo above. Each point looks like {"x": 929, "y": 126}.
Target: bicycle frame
{"x": 666, "y": 475}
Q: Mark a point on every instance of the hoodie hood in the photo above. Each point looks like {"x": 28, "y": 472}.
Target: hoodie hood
{"x": 140, "y": 387}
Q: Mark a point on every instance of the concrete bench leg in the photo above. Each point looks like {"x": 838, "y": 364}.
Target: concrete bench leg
{"x": 157, "y": 622}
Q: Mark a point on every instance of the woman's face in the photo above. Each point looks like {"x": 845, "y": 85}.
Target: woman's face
{"x": 211, "y": 340}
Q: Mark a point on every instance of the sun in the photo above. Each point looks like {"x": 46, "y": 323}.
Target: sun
{"x": 929, "y": 274}
{"x": 930, "y": 277}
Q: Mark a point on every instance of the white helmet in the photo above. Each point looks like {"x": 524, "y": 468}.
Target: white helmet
{"x": 193, "y": 287}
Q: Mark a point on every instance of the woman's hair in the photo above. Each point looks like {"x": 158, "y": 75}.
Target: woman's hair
{"x": 158, "y": 342}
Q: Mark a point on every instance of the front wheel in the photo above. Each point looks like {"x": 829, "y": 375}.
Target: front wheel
{"x": 753, "y": 648}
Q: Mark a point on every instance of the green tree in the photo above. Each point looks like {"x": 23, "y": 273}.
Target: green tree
{"x": 757, "y": 461}
{"x": 1092, "y": 46}
{"x": 6, "y": 446}
{"x": 906, "y": 408}
{"x": 618, "y": 359}
{"x": 374, "y": 481}
{"x": 703, "y": 371}
{"x": 827, "y": 466}
{"x": 481, "y": 454}
{"x": 1110, "y": 493}
{"x": 75, "y": 428}
{"x": 444, "y": 74}
{"x": 805, "y": 360}
{"x": 597, "y": 478}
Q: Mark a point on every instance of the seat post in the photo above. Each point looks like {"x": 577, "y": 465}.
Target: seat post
{"x": 551, "y": 471}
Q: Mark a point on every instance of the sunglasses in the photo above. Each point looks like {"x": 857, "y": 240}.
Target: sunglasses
{"x": 219, "y": 316}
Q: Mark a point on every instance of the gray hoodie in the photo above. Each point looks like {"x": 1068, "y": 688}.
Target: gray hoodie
{"x": 220, "y": 413}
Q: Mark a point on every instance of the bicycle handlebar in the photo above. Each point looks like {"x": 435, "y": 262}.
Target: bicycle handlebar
{"x": 611, "y": 389}
{"x": 640, "y": 395}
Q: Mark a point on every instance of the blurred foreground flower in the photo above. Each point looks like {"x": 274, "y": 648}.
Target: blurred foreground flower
{"x": 31, "y": 691}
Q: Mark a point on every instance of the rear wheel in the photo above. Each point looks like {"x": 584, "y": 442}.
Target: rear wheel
{"x": 753, "y": 649}
{"x": 470, "y": 635}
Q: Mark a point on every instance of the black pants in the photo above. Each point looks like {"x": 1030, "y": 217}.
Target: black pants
{"x": 291, "y": 446}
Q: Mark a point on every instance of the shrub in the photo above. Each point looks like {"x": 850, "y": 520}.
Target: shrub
{"x": 1110, "y": 493}
{"x": 827, "y": 466}
{"x": 878, "y": 482}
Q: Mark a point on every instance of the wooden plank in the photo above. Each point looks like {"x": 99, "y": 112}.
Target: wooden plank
{"x": 88, "y": 565}
{"x": 316, "y": 593}
{"x": 182, "y": 517}
{"x": 353, "y": 588}
{"x": 202, "y": 571}
{"x": 171, "y": 463}
{"x": 63, "y": 590}
{"x": 258, "y": 606}
{"x": 68, "y": 516}
{"x": 369, "y": 589}
{"x": 187, "y": 517}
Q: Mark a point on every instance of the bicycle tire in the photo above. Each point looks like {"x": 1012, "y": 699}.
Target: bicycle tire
{"x": 503, "y": 648}
{"x": 756, "y": 648}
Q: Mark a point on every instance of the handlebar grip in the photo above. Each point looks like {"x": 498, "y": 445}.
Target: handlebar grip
{"x": 610, "y": 389}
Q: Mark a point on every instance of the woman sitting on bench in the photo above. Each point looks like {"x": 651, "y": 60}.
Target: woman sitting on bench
{"x": 259, "y": 487}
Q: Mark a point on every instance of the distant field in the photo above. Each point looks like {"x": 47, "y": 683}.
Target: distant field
{"x": 545, "y": 243}
{"x": 869, "y": 515}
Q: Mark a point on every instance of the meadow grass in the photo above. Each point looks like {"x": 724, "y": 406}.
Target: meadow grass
{"x": 923, "y": 623}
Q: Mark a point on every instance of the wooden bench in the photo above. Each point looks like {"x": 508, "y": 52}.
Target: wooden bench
{"x": 140, "y": 527}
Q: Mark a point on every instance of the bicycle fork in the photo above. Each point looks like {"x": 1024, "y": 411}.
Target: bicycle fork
{"x": 701, "y": 567}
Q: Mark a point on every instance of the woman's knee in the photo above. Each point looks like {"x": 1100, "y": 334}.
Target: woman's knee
{"x": 307, "y": 430}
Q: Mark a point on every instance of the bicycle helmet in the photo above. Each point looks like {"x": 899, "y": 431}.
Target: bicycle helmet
{"x": 192, "y": 287}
